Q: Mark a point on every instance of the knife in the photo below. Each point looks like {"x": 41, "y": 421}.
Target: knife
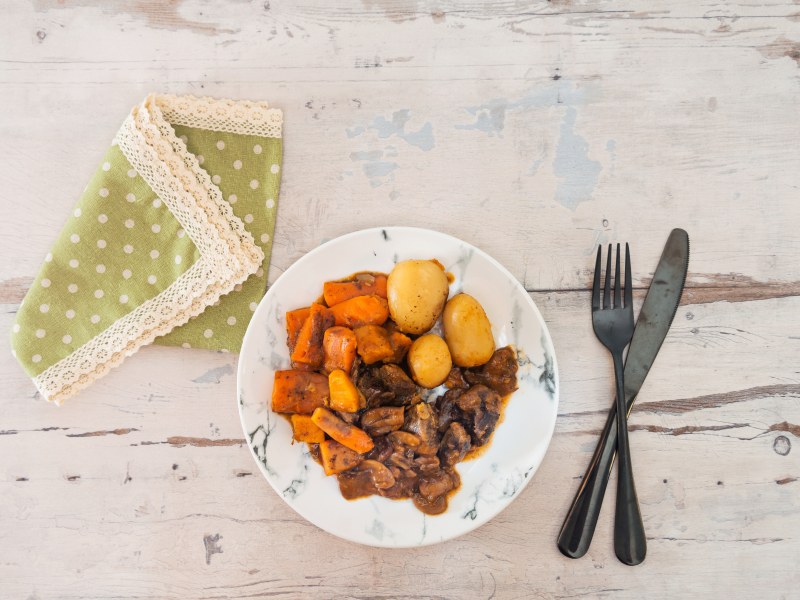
{"x": 652, "y": 326}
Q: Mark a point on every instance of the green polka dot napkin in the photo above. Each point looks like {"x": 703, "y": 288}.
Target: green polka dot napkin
{"x": 169, "y": 243}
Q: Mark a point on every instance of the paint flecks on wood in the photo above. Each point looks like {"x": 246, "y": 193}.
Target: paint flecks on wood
{"x": 181, "y": 441}
{"x": 119, "y": 431}
{"x": 212, "y": 546}
{"x": 782, "y": 47}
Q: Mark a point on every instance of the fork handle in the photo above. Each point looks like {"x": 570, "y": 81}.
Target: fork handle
{"x": 630, "y": 544}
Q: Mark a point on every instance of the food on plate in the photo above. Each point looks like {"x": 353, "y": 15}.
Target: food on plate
{"x": 304, "y": 430}
{"x": 417, "y": 291}
{"x": 429, "y": 360}
{"x": 299, "y": 392}
{"x": 361, "y": 366}
{"x": 467, "y": 331}
{"x": 361, "y": 284}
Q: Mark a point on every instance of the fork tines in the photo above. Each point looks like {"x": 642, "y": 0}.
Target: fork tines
{"x": 628, "y": 294}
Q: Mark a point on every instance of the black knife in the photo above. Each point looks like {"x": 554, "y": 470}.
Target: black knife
{"x": 652, "y": 326}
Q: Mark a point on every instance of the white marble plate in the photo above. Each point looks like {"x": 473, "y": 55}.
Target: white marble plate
{"x": 489, "y": 482}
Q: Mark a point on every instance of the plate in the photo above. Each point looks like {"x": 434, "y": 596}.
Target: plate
{"x": 490, "y": 481}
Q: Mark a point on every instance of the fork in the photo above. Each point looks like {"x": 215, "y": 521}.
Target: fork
{"x": 613, "y": 326}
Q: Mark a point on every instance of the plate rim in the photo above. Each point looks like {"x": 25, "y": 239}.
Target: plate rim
{"x": 389, "y": 229}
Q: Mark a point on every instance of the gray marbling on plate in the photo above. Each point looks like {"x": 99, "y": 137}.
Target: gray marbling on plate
{"x": 489, "y": 482}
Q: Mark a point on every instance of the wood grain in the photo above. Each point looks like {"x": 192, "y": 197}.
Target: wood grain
{"x": 533, "y": 130}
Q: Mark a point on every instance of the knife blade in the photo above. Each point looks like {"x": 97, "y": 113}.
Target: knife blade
{"x": 652, "y": 325}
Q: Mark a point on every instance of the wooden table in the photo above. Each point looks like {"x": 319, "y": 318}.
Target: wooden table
{"x": 532, "y": 130}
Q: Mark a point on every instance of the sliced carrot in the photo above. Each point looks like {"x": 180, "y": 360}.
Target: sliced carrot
{"x": 344, "y": 433}
{"x": 337, "y": 458}
{"x": 361, "y": 310}
{"x": 294, "y": 322}
{"x": 339, "y": 349}
{"x": 373, "y": 344}
{"x": 363, "y": 284}
{"x": 299, "y": 391}
{"x": 304, "y": 430}
{"x": 344, "y": 395}
{"x": 308, "y": 348}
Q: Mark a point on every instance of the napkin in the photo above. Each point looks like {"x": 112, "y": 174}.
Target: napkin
{"x": 169, "y": 243}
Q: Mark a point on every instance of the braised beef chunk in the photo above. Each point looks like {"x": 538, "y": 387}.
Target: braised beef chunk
{"x": 500, "y": 373}
{"x": 455, "y": 380}
{"x": 481, "y": 408}
{"x": 455, "y": 445}
{"x": 382, "y": 420}
{"x": 448, "y": 409}
{"x": 435, "y": 484}
{"x": 356, "y": 484}
{"x": 387, "y": 385}
{"x": 382, "y": 449}
{"x": 421, "y": 420}
{"x": 395, "y": 379}
{"x": 404, "y": 484}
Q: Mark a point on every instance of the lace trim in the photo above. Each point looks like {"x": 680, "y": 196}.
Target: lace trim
{"x": 228, "y": 254}
{"x": 232, "y": 116}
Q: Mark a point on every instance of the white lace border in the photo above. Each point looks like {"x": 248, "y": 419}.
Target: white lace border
{"x": 228, "y": 253}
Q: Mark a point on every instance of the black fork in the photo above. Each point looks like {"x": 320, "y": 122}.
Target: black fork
{"x": 613, "y": 326}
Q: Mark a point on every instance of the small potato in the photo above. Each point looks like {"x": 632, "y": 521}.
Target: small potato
{"x": 417, "y": 291}
{"x": 467, "y": 331}
{"x": 429, "y": 360}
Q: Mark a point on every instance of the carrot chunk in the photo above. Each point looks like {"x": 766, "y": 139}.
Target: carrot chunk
{"x": 339, "y": 349}
{"x": 304, "y": 430}
{"x": 373, "y": 344}
{"x": 299, "y": 391}
{"x": 361, "y": 310}
{"x": 344, "y": 396}
{"x": 308, "y": 348}
{"x": 337, "y": 458}
{"x": 344, "y": 433}
{"x": 294, "y": 322}
{"x": 364, "y": 284}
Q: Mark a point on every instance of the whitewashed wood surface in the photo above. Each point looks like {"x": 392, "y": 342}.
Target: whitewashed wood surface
{"x": 532, "y": 130}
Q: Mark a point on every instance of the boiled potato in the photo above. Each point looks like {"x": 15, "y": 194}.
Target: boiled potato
{"x": 429, "y": 360}
{"x": 467, "y": 331}
{"x": 417, "y": 291}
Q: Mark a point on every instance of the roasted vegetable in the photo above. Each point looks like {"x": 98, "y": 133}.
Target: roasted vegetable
{"x": 299, "y": 391}
{"x": 294, "y": 322}
{"x": 304, "y": 430}
{"x": 429, "y": 360}
{"x": 373, "y": 344}
{"x": 344, "y": 396}
{"x": 308, "y": 348}
{"x": 339, "y": 349}
{"x": 344, "y": 433}
{"x": 337, "y": 458}
{"x": 363, "y": 284}
{"x": 400, "y": 346}
{"x": 467, "y": 331}
{"x": 361, "y": 310}
{"x": 416, "y": 290}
